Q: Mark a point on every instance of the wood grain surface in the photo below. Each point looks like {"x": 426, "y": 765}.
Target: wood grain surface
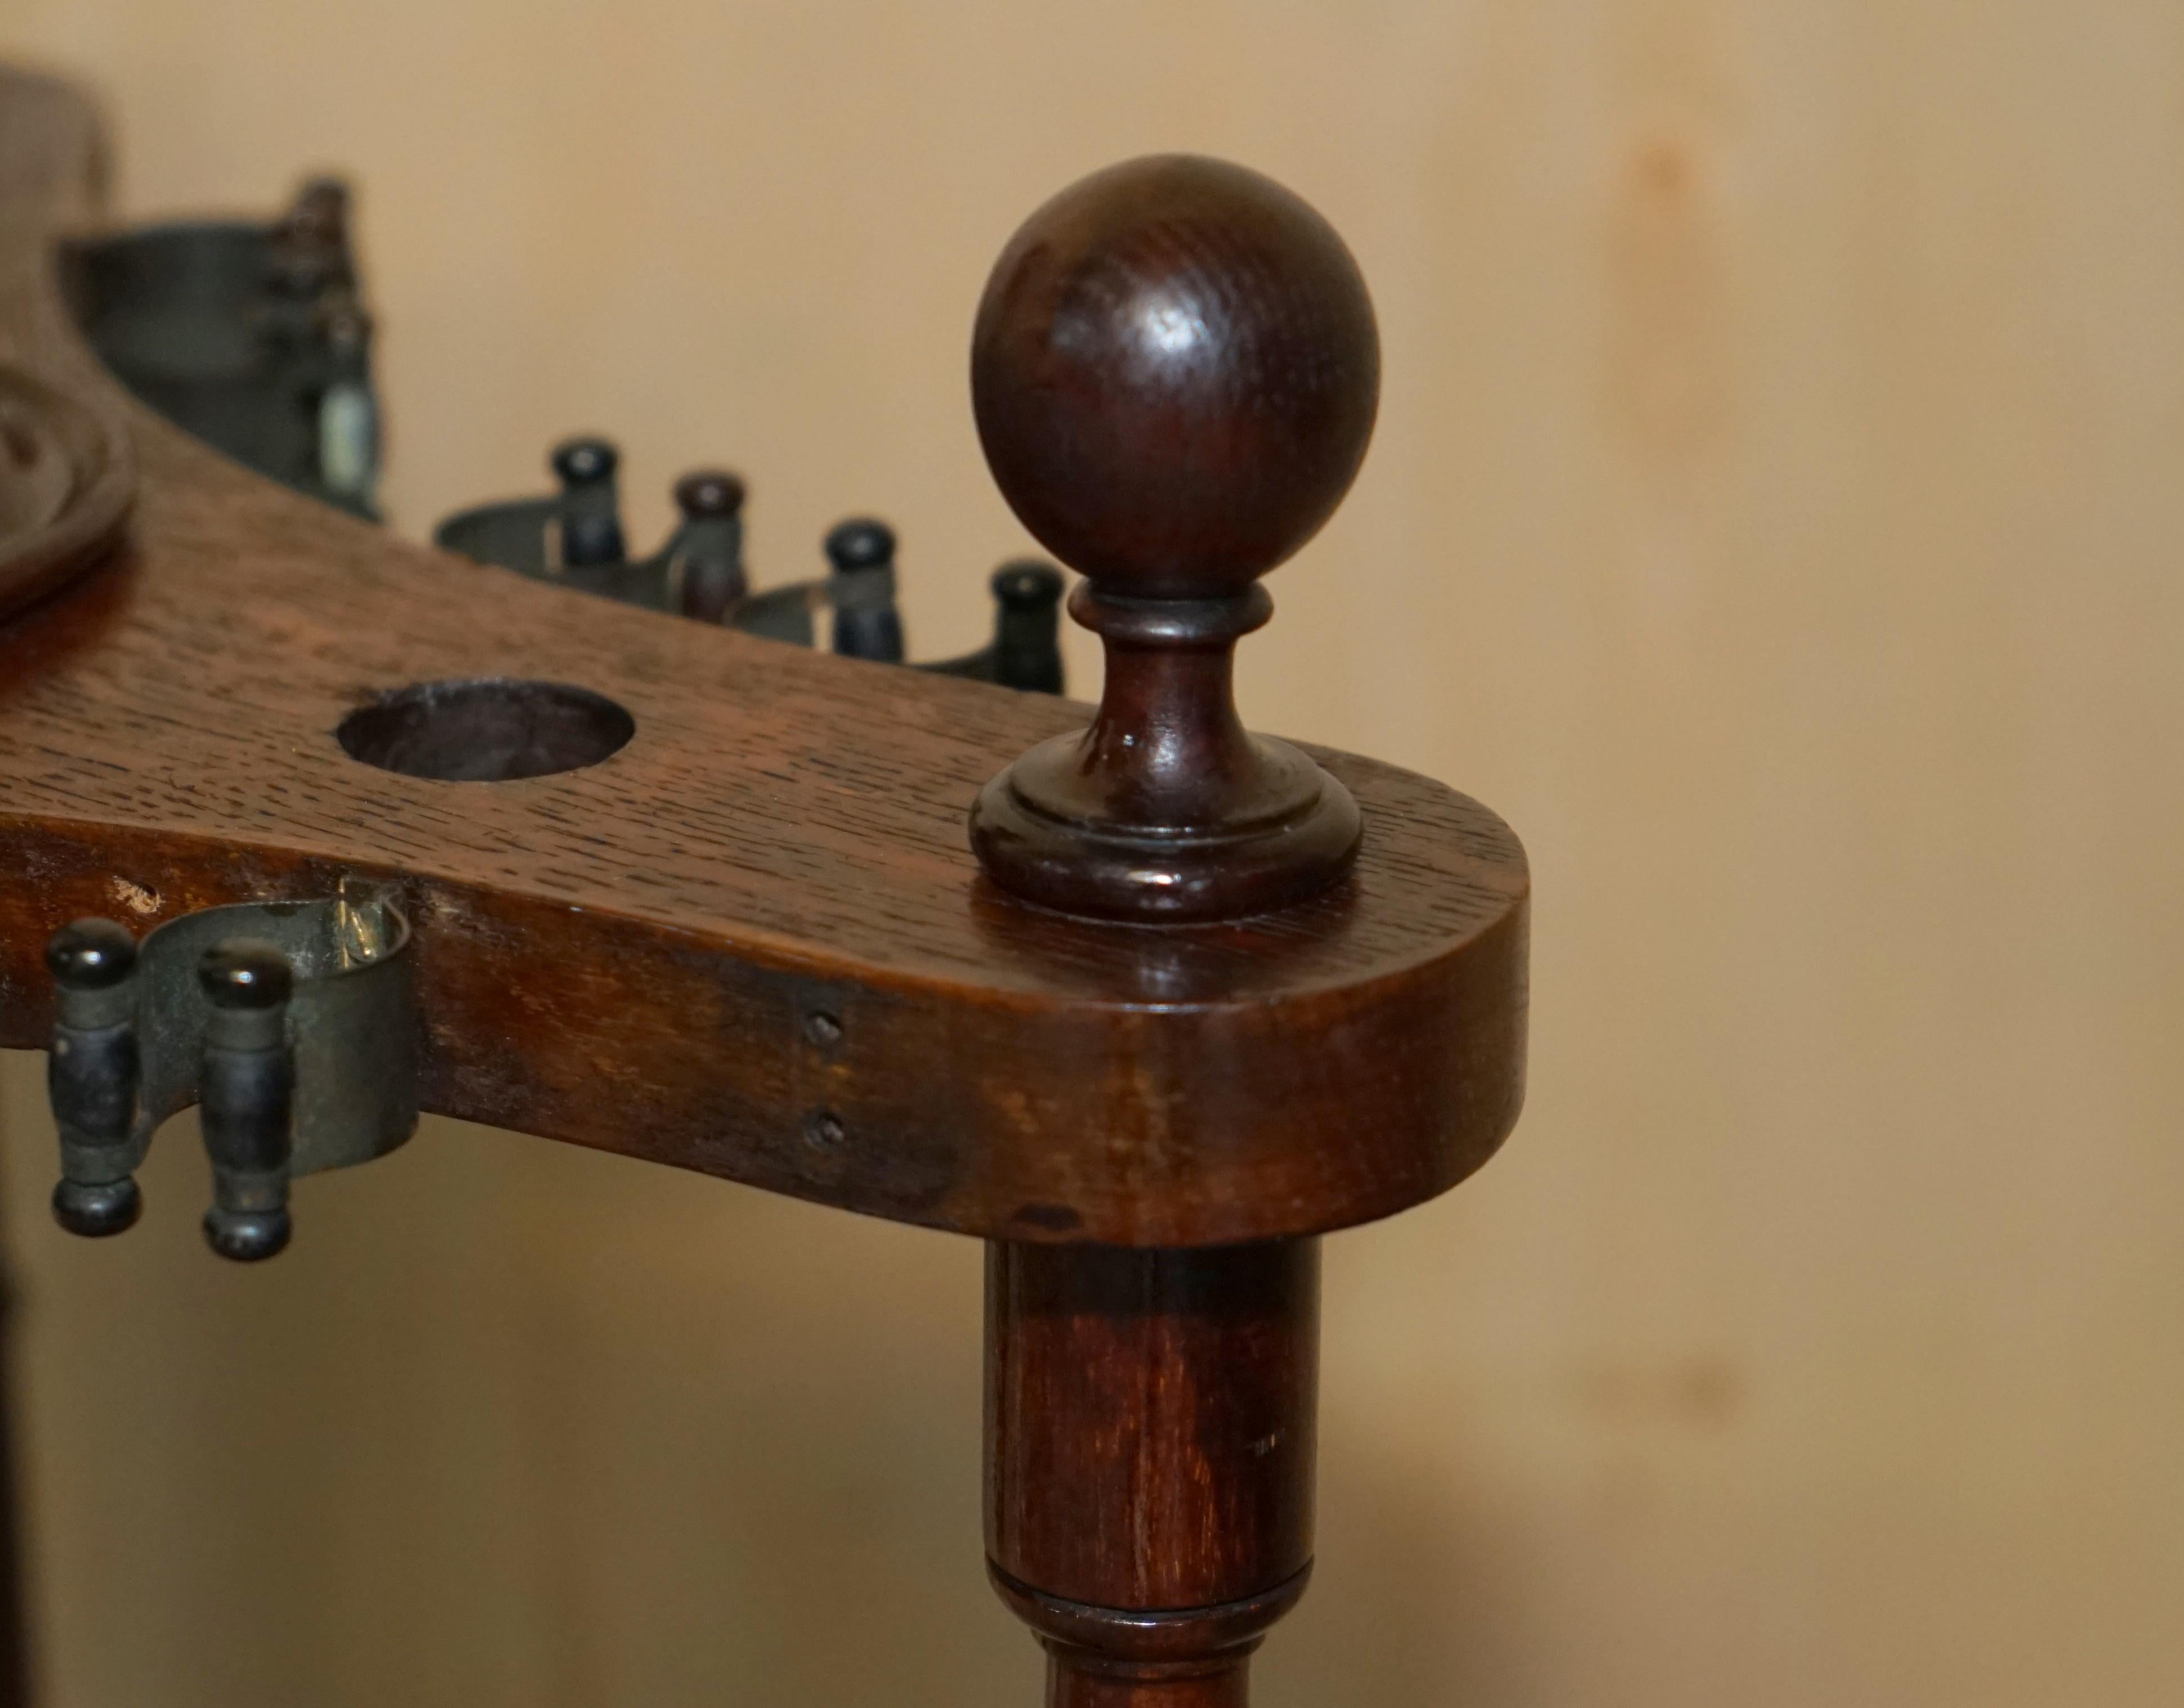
{"x": 645, "y": 955}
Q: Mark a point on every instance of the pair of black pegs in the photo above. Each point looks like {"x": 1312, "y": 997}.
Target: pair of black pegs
{"x": 245, "y": 1088}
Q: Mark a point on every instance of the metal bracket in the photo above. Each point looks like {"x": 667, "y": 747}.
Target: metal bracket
{"x": 140, "y": 1033}
{"x": 574, "y": 538}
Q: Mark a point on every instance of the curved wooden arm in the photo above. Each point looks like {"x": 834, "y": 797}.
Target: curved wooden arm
{"x": 754, "y": 942}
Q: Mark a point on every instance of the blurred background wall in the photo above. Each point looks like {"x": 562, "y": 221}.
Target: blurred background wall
{"x": 1775, "y": 514}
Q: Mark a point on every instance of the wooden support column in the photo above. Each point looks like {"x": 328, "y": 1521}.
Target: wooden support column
{"x": 1149, "y": 1459}
{"x": 14, "y": 1625}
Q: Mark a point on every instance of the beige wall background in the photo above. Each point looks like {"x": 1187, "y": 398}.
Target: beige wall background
{"x": 1775, "y": 514}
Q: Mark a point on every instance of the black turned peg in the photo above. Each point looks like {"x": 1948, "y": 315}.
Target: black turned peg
{"x": 1027, "y": 632}
{"x": 707, "y": 494}
{"x": 310, "y": 248}
{"x": 246, "y": 1091}
{"x": 1175, "y": 372}
{"x": 591, "y": 512}
{"x": 92, "y": 1076}
{"x": 867, "y": 625}
{"x": 319, "y": 217}
{"x": 711, "y": 543}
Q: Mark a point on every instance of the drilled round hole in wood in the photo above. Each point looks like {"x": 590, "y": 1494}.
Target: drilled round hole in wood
{"x": 490, "y": 731}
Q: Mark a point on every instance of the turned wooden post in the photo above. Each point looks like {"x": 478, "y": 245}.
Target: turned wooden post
{"x": 1175, "y": 370}
{"x": 1149, "y": 1459}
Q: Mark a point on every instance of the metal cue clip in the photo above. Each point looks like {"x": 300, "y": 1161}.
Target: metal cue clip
{"x": 292, "y": 1025}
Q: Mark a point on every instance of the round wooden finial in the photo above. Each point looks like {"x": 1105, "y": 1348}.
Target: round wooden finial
{"x": 1175, "y": 372}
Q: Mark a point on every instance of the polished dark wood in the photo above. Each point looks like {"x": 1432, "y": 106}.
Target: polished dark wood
{"x": 627, "y": 954}
{"x": 1175, "y": 370}
{"x": 695, "y": 897}
{"x": 1149, "y": 1459}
